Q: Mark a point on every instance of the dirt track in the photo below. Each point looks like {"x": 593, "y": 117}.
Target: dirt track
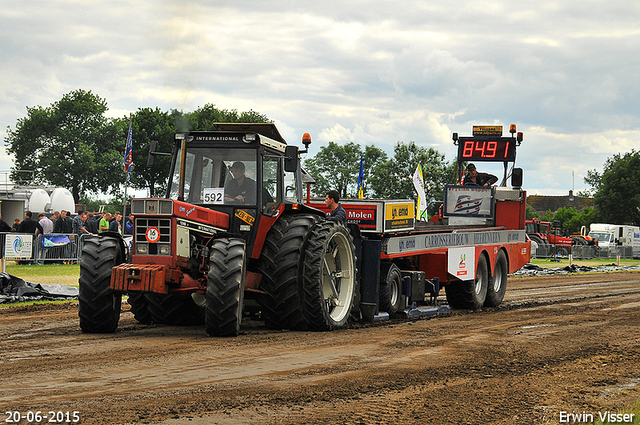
{"x": 557, "y": 343}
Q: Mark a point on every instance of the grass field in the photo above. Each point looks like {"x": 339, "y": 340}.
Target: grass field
{"x": 68, "y": 274}
{"x": 562, "y": 262}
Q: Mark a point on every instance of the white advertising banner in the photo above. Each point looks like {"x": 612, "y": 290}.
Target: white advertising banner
{"x": 468, "y": 201}
{"x": 18, "y": 246}
{"x": 462, "y": 263}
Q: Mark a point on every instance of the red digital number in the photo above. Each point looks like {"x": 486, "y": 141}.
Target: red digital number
{"x": 467, "y": 152}
{"x": 491, "y": 149}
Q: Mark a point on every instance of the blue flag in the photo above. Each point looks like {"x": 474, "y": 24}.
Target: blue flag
{"x": 361, "y": 179}
{"x": 128, "y": 153}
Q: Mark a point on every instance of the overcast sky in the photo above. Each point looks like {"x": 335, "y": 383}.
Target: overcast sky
{"x": 370, "y": 72}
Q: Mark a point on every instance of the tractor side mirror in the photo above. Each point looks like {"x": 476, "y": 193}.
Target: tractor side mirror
{"x": 291, "y": 159}
{"x": 151, "y": 159}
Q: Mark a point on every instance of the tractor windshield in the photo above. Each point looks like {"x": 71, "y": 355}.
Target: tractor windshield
{"x": 217, "y": 176}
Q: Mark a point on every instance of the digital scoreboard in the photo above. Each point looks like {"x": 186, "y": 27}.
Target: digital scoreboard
{"x": 483, "y": 148}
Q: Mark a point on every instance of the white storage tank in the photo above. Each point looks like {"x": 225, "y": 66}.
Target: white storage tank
{"x": 39, "y": 201}
{"x": 62, "y": 199}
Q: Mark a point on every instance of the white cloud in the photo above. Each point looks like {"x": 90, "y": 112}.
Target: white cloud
{"x": 373, "y": 72}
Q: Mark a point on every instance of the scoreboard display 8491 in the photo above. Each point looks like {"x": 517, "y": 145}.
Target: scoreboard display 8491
{"x": 487, "y": 149}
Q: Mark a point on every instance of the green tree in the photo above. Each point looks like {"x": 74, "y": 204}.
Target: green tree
{"x": 531, "y": 213}
{"x": 567, "y": 219}
{"x": 70, "y": 144}
{"x": 337, "y": 166}
{"x": 204, "y": 117}
{"x": 584, "y": 218}
{"x": 393, "y": 179}
{"x": 547, "y": 216}
{"x": 617, "y": 193}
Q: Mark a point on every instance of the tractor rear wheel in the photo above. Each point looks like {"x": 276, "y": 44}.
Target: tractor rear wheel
{"x": 225, "y": 287}
{"x": 498, "y": 283}
{"x": 99, "y": 305}
{"x": 173, "y": 310}
{"x": 329, "y": 276}
{"x": 139, "y": 307}
{"x": 280, "y": 265}
{"x": 470, "y": 294}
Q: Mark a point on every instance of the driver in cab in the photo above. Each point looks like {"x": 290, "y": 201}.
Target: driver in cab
{"x": 241, "y": 189}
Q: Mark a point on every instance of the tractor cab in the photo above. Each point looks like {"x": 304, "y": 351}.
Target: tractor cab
{"x": 246, "y": 171}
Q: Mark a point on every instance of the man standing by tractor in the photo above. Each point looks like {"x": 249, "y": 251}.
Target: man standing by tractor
{"x": 332, "y": 201}
{"x": 104, "y": 222}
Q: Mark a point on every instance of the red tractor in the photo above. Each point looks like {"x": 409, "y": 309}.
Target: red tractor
{"x": 547, "y": 235}
{"x": 199, "y": 256}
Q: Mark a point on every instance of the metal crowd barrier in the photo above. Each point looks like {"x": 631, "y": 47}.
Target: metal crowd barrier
{"x": 583, "y": 252}
{"x": 58, "y": 248}
{"x": 42, "y": 249}
{"x": 50, "y": 248}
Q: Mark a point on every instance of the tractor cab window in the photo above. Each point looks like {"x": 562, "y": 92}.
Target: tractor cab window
{"x": 271, "y": 183}
{"x": 290, "y": 194}
{"x": 544, "y": 228}
{"x": 218, "y": 176}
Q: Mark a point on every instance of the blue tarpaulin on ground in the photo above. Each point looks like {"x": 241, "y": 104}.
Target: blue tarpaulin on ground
{"x": 13, "y": 289}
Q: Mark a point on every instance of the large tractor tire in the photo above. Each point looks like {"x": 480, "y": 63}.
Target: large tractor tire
{"x": 139, "y": 307}
{"x": 99, "y": 306}
{"x": 329, "y": 276}
{"x": 470, "y": 294}
{"x": 280, "y": 266}
{"x": 390, "y": 296}
{"x": 498, "y": 283}
{"x": 225, "y": 287}
{"x": 173, "y": 310}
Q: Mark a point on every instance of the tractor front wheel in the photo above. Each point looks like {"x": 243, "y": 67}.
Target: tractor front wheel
{"x": 99, "y": 305}
{"x": 225, "y": 287}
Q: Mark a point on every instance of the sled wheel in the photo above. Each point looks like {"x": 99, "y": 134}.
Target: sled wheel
{"x": 498, "y": 283}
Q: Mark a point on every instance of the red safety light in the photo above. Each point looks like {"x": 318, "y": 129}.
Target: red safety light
{"x": 512, "y": 128}
{"x": 519, "y": 137}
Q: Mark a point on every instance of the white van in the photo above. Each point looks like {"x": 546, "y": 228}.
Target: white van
{"x": 614, "y": 235}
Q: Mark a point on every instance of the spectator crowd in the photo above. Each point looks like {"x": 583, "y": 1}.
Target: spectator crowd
{"x": 61, "y": 224}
